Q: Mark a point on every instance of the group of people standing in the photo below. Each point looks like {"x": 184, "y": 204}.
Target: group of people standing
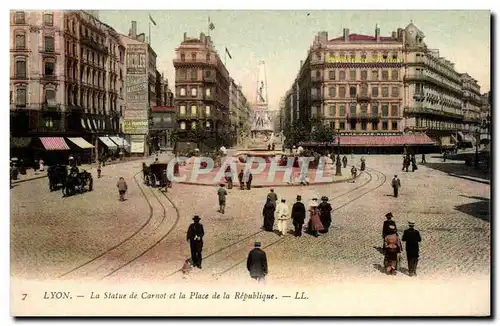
{"x": 245, "y": 179}
{"x": 320, "y": 215}
{"x": 392, "y": 246}
{"x": 410, "y": 159}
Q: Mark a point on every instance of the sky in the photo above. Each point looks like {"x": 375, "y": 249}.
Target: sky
{"x": 282, "y": 38}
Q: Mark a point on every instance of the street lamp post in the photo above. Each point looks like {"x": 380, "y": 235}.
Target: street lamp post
{"x": 478, "y": 137}
{"x": 338, "y": 164}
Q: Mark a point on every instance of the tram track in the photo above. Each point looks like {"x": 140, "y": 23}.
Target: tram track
{"x": 236, "y": 247}
{"x": 148, "y": 235}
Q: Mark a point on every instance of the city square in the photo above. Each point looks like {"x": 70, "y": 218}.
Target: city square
{"x": 117, "y": 157}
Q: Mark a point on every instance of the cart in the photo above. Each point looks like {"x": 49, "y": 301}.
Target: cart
{"x": 155, "y": 175}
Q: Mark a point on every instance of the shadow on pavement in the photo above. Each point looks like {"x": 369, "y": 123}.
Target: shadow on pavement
{"x": 380, "y": 268}
{"x": 480, "y": 209}
{"x": 460, "y": 170}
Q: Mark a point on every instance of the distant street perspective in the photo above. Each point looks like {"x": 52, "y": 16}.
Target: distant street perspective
{"x": 371, "y": 164}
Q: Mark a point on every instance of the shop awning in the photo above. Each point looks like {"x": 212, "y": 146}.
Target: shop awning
{"x": 84, "y": 124}
{"x": 94, "y": 124}
{"x": 20, "y": 142}
{"x": 80, "y": 142}
{"x": 54, "y": 143}
{"x": 108, "y": 142}
{"x": 121, "y": 142}
{"x": 89, "y": 125}
{"x": 460, "y": 136}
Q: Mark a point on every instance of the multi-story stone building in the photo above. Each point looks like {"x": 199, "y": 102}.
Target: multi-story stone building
{"x": 486, "y": 116}
{"x": 471, "y": 106}
{"x": 201, "y": 94}
{"x": 375, "y": 85}
{"x": 65, "y": 80}
{"x": 140, "y": 85}
{"x": 239, "y": 111}
{"x": 163, "y": 115}
{"x": 164, "y": 96}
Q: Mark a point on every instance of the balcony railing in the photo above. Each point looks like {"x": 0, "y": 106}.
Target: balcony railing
{"x": 419, "y": 95}
{"x": 51, "y": 107}
{"x": 424, "y": 110}
{"x": 363, "y": 97}
{"x": 20, "y": 76}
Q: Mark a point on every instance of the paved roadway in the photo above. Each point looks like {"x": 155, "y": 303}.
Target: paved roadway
{"x": 51, "y": 235}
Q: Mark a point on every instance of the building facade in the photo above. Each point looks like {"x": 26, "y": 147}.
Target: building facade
{"x": 376, "y": 85}
{"x": 201, "y": 94}
{"x": 239, "y": 112}
{"x": 140, "y": 84}
{"x": 163, "y": 127}
{"x": 65, "y": 77}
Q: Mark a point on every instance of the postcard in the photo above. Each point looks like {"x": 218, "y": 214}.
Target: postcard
{"x": 250, "y": 163}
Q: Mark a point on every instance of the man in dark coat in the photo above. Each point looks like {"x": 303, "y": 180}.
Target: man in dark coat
{"x": 257, "y": 263}
{"x": 298, "y": 216}
{"x": 195, "y": 235}
{"x": 412, "y": 238}
{"x": 268, "y": 213}
{"x": 248, "y": 180}
{"x": 272, "y": 196}
{"x": 386, "y": 228}
{"x": 344, "y": 161}
{"x": 325, "y": 211}
{"x": 240, "y": 179}
{"x": 229, "y": 177}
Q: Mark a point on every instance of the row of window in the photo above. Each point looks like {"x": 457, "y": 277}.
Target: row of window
{"x": 364, "y": 125}
{"x": 21, "y": 67}
{"x": 194, "y": 125}
{"x": 442, "y": 68}
{"x": 194, "y": 91}
{"x": 353, "y": 74}
{"x": 437, "y": 124}
{"x": 384, "y": 109}
{"x": 194, "y": 110}
{"x": 332, "y": 91}
{"x": 373, "y": 55}
{"x": 20, "y": 42}
{"x": 193, "y": 73}
{"x": 20, "y": 18}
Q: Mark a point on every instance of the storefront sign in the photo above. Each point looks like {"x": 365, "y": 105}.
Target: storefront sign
{"x": 135, "y": 126}
{"x": 137, "y": 89}
{"x": 136, "y": 59}
{"x": 137, "y": 112}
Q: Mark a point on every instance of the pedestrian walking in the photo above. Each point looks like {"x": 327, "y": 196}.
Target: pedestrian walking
{"x": 240, "y": 179}
{"x": 268, "y": 213}
{"x": 354, "y": 171}
{"x": 195, "y": 235}
{"x": 222, "y": 193}
{"x": 386, "y": 227}
{"x": 325, "y": 210}
{"x": 99, "y": 170}
{"x": 412, "y": 239}
{"x": 391, "y": 252}
{"x": 298, "y": 216}
{"x": 122, "y": 188}
{"x": 283, "y": 215}
{"x": 396, "y": 184}
{"x": 42, "y": 166}
{"x": 257, "y": 263}
{"x": 423, "y": 158}
{"x": 248, "y": 180}
{"x": 314, "y": 220}
{"x": 272, "y": 196}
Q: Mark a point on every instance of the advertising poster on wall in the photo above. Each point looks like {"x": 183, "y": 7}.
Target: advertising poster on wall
{"x": 136, "y": 59}
{"x": 135, "y": 126}
{"x": 137, "y": 144}
{"x": 137, "y": 89}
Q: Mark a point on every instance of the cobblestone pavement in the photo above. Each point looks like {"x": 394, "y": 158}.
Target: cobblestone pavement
{"x": 51, "y": 235}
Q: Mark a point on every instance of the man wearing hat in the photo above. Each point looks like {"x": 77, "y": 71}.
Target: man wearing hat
{"x": 412, "y": 238}
{"x": 386, "y": 228}
{"x": 257, "y": 262}
{"x": 396, "y": 184}
{"x": 195, "y": 235}
{"x": 272, "y": 196}
{"x": 325, "y": 211}
{"x": 298, "y": 216}
{"x": 283, "y": 215}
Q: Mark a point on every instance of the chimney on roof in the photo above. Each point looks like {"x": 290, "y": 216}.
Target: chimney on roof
{"x": 202, "y": 38}
{"x": 209, "y": 40}
{"x": 377, "y": 33}
{"x": 185, "y": 36}
{"x": 323, "y": 37}
{"x": 395, "y": 35}
{"x": 133, "y": 30}
{"x": 346, "y": 34}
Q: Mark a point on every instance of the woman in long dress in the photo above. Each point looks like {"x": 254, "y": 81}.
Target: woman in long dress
{"x": 392, "y": 250}
{"x": 314, "y": 221}
{"x": 268, "y": 213}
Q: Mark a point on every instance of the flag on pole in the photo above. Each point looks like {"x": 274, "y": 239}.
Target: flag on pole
{"x": 152, "y": 20}
{"x": 229, "y": 54}
{"x": 211, "y": 25}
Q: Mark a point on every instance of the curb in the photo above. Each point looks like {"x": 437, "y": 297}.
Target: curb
{"x": 271, "y": 185}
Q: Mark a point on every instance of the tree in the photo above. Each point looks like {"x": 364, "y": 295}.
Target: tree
{"x": 321, "y": 132}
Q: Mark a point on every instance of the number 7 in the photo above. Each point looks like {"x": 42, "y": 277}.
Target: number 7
{"x": 24, "y": 296}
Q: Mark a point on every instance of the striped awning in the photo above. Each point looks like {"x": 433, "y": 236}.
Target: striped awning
{"x": 89, "y": 124}
{"x": 84, "y": 124}
{"x": 94, "y": 124}
{"x": 121, "y": 142}
{"x": 54, "y": 143}
{"x": 20, "y": 142}
{"x": 108, "y": 142}
{"x": 80, "y": 142}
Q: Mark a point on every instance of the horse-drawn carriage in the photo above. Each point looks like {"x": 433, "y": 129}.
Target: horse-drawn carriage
{"x": 155, "y": 175}
{"x": 78, "y": 183}
{"x": 57, "y": 175}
